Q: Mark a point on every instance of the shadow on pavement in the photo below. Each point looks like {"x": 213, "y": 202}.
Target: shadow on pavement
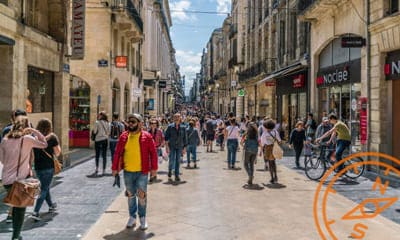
{"x": 155, "y": 181}
{"x": 128, "y": 234}
{"x": 30, "y": 223}
{"x": 253, "y": 187}
{"x": 174, "y": 183}
{"x": 274, "y": 185}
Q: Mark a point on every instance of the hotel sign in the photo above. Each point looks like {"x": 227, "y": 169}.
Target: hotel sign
{"x": 392, "y": 66}
{"x": 78, "y": 29}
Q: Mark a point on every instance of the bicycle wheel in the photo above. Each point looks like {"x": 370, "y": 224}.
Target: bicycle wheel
{"x": 356, "y": 171}
{"x": 314, "y": 168}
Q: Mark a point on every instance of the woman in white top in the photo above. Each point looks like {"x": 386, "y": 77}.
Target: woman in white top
{"x": 268, "y": 137}
{"x": 102, "y": 130}
{"x": 232, "y": 133}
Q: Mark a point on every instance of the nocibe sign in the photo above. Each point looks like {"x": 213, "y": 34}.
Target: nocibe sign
{"x": 392, "y": 66}
{"x": 336, "y": 76}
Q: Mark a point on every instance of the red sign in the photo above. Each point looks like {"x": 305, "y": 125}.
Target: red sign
{"x": 269, "y": 84}
{"x": 363, "y": 101}
{"x": 298, "y": 81}
{"x": 121, "y": 61}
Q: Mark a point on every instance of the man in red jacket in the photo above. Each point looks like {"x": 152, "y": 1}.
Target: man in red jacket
{"x": 136, "y": 154}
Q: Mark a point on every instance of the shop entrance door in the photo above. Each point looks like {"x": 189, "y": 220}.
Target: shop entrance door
{"x": 396, "y": 119}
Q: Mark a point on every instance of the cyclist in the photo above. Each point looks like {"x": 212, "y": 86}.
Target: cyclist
{"x": 322, "y": 128}
{"x": 342, "y": 132}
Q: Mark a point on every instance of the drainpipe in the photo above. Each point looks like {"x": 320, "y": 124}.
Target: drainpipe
{"x": 368, "y": 63}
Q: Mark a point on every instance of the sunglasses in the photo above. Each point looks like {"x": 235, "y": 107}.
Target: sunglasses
{"x": 153, "y": 123}
{"x": 132, "y": 121}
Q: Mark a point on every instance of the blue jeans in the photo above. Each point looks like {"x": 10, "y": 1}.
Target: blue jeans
{"x": 232, "y": 145}
{"x": 341, "y": 145}
{"x": 45, "y": 177}
{"x": 191, "y": 149}
{"x": 136, "y": 190}
{"x": 113, "y": 145}
{"x": 174, "y": 160}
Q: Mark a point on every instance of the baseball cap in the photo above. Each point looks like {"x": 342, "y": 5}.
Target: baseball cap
{"x": 325, "y": 119}
{"x": 136, "y": 116}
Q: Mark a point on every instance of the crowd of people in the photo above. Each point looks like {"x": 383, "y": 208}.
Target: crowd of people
{"x": 138, "y": 144}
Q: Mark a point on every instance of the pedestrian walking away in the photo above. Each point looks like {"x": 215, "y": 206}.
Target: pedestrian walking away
{"x": 158, "y": 138}
{"x": 297, "y": 139}
{"x": 16, "y": 157}
{"x": 102, "y": 131}
{"x": 116, "y": 129}
{"x": 193, "y": 143}
{"x": 136, "y": 154}
{"x": 44, "y": 166}
{"x": 232, "y": 133}
{"x": 176, "y": 142}
{"x": 251, "y": 146}
{"x": 269, "y": 136}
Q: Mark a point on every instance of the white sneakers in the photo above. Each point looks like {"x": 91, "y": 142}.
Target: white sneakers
{"x": 131, "y": 222}
{"x": 143, "y": 223}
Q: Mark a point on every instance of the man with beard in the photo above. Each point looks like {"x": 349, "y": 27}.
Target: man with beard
{"x": 136, "y": 154}
{"x": 176, "y": 142}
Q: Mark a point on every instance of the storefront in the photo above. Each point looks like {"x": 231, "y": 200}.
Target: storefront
{"x": 338, "y": 85}
{"x": 392, "y": 75}
{"x": 292, "y": 102}
{"x": 39, "y": 95}
{"x": 79, "y": 121}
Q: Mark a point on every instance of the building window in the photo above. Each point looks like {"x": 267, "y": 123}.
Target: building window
{"x": 40, "y": 90}
{"x": 393, "y": 6}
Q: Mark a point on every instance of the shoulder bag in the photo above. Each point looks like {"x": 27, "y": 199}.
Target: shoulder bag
{"x": 23, "y": 192}
{"x": 276, "y": 150}
{"x": 57, "y": 164}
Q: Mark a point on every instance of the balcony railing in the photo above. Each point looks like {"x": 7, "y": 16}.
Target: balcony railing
{"x": 253, "y": 71}
{"x": 303, "y": 5}
{"x": 131, "y": 10}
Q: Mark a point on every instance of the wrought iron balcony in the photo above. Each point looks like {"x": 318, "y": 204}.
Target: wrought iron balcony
{"x": 253, "y": 71}
{"x": 119, "y": 5}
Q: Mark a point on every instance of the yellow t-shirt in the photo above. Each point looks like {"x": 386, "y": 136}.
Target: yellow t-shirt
{"x": 343, "y": 132}
{"x": 132, "y": 155}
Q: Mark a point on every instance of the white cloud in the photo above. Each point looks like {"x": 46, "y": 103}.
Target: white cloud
{"x": 189, "y": 63}
{"x": 178, "y": 9}
{"x": 188, "y": 57}
{"x": 223, "y": 5}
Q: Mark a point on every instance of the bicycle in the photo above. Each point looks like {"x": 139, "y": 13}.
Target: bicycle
{"x": 316, "y": 167}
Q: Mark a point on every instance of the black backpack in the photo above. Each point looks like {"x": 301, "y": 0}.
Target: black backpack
{"x": 115, "y": 130}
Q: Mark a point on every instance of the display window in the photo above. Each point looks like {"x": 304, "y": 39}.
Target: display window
{"x": 40, "y": 91}
{"x": 79, "y": 113}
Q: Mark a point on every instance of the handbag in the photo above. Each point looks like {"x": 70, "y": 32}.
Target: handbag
{"x": 276, "y": 149}
{"x": 57, "y": 164}
{"x": 93, "y": 135}
{"x": 23, "y": 192}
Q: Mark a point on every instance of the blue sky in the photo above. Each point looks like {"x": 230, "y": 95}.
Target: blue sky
{"x": 190, "y": 32}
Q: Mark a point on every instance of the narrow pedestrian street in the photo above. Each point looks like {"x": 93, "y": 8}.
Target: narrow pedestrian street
{"x": 212, "y": 202}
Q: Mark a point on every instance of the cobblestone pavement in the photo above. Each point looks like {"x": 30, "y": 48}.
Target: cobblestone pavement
{"x": 81, "y": 201}
{"x": 211, "y": 203}
{"x": 215, "y": 203}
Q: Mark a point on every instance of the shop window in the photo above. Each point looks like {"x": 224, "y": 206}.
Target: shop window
{"x": 40, "y": 91}
{"x": 392, "y": 6}
{"x": 79, "y": 113}
{"x": 340, "y": 55}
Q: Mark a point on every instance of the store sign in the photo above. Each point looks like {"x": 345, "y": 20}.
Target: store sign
{"x": 363, "y": 120}
{"x": 78, "y": 29}
{"x": 241, "y": 93}
{"x": 233, "y": 83}
{"x": 336, "y": 76}
{"x": 270, "y": 84}
{"x": 353, "y": 42}
{"x": 298, "y": 81}
{"x": 149, "y": 83}
{"x": 392, "y": 66}
{"x": 162, "y": 84}
{"x": 137, "y": 92}
{"x": 121, "y": 61}
{"x": 66, "y": 68}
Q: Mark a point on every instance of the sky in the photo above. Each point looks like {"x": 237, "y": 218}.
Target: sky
{"x": 190, "y": 32}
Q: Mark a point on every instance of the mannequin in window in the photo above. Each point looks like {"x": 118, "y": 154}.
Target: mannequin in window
{"x": 28, "y": 102}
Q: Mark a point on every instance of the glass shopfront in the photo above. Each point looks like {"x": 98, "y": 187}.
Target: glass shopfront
{"x": 292, "y": 101}
{"x": 79, "y": 111}
{"x": 339, "y": 86}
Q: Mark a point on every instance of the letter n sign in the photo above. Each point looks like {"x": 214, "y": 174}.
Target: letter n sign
{"x": 392, "y": 66}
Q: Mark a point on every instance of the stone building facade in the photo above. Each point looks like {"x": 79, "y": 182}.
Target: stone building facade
{"x": 32, "y": 44}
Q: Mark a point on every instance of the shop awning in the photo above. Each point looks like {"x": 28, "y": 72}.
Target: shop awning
{"x": 282, "y": 72}
{"x": 6, "y": 41}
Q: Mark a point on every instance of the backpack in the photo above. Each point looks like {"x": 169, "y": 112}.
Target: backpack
{"x": 115, "y": 130}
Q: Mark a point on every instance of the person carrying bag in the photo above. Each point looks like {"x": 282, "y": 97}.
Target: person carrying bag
{"x": 15, "y": 155}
